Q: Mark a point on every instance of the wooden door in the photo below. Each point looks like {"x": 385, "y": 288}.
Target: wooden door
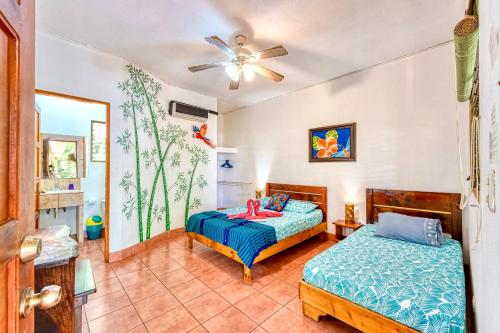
{"x": 16, "y": 157}
{"x": 38, "y": 164}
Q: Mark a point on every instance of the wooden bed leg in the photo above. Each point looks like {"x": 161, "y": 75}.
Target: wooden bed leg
{"x": 312, "y": 312}
{"x": 247, "y": 273}
{"x": 323, "y": 236}
{"x": 190, "y": 243}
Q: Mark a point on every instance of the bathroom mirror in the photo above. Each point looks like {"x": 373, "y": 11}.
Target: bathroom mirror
{"x": 61, "y": 159}
{"x": 63, "y": 156}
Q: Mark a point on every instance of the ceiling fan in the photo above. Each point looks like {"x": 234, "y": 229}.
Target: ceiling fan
{"x": 242, "y": 62}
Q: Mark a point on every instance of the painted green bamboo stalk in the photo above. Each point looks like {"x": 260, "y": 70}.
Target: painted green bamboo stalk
{"x": 188, "y": 181}
{"x": 151, "y": 199}
{"x": 130, "y": 109}
{"x": 137, "y": 172}
{"x": 148, "y": 91}
{"x": 158, "y": 148}
{"x": 155, "y": 181}
{"x": 188, "y": 196}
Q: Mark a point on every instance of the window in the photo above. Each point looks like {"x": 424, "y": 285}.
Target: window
{"x": 98, "y": 141}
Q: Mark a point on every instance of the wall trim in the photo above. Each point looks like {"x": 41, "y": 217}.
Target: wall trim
{"x": 147, "y": 244}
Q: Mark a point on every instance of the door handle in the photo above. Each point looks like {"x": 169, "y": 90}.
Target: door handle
{"x": 48, "y": 297}
{"x": 30, "y": 248}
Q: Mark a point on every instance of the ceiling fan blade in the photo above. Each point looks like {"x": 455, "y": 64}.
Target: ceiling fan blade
{"x": 198, "y": 68}
{"x": 214, "y": 40}
{"x": 276, "y": 51}
{"x": 234, "y": 85}
{"x": 267, "y": 73}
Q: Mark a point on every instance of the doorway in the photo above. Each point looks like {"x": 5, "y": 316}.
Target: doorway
{"x": 72, "y": 157}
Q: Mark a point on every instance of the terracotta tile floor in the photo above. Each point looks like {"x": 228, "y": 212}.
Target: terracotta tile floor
{"x": 170, "y": 288}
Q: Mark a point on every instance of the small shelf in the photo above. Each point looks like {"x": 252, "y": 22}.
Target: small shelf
{"x": 226, "y": 150}
{"x": 242, "y": 186}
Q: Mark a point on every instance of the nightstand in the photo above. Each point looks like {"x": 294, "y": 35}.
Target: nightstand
{"x": 339, "y": 224}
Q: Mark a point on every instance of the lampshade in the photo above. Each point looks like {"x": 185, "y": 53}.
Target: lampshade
{"x": 233, "y": 72}
{"x": 349, "y": 213}
{"x": 248, "y": 72}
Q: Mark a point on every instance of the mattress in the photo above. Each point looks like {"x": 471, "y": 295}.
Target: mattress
{"x": 420, "y": 286}
{"x": 287, "y": 225}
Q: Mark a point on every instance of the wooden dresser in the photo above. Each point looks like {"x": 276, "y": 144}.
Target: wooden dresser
{"x": 57, "y": 265}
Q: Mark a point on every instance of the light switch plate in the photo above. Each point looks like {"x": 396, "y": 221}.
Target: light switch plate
{"x": 491, "y": 191}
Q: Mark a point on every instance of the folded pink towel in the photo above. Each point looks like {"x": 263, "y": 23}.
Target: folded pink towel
{"x": 253, "y": 212}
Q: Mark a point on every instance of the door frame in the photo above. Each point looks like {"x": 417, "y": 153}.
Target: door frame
{"x": 108, "y": 126}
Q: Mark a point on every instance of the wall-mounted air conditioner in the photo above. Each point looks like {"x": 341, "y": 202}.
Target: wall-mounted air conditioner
{"x": 186, "y": 111}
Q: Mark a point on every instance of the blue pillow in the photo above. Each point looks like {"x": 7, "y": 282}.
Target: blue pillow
{"x": 299, "y": 206}
{"x": 277, "y": 202}
{"x": 264, "y": 201}
{"x": 413, "y": 229}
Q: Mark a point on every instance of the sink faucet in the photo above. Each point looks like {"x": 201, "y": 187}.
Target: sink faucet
{"x": 55, "y": 183}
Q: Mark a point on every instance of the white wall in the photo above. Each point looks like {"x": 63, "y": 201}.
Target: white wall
{"x": 69, "y": 117}
{"x": 70, "y": 68}
{"x": 406, "y": 132}
{"x": 485, "y": 255}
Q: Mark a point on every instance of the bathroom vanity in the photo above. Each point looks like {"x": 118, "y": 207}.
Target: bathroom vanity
{"x": 61, "y": 163}
{"x": 54, "y": 195}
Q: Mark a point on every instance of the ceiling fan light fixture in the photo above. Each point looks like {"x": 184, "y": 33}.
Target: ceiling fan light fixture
{"x": 233, "y": 72}
{"x": 248, "y": 72}
{"x": 242, "y": 61}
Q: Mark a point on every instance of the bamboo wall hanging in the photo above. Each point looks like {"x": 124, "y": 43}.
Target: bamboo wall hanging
{"x": 466, "y": 36}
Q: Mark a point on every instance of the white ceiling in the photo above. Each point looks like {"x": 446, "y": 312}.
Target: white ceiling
{"x": 324, "y": 38}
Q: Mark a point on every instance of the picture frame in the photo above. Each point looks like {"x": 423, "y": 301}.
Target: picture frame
{"x": 336, "y": 143}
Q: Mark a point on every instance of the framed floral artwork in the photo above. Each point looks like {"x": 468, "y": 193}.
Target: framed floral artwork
{"x": 333, "y": 143}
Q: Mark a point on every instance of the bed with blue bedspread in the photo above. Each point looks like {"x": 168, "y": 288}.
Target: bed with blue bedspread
{"x": 383, "y": 285}
{"x": 250, "y": 238}
{"x": 251, "y": 241}
{"x": 289, "y": 224}
{"x": 420, "y": 286}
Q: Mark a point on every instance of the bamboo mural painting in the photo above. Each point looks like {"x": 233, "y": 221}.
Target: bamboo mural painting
{"x": 130, "y": 109}
{"x": 156, "y": 144}
{"x": 199, "y": 156}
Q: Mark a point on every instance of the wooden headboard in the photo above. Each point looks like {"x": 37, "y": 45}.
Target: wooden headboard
{"x": 442, "y": 206}
{"x": 315, "y": 194}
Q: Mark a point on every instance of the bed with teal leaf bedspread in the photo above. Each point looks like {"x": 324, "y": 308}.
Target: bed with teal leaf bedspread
{"x": 420, "y": 286}
{"x": 287, "y": 225}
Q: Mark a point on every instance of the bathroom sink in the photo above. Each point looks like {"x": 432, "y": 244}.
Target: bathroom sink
{"x": 60, "y": 199}
{"x": 62, "y": 191}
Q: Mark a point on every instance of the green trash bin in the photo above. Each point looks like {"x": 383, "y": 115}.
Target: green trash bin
{"x": 94, "y": 227}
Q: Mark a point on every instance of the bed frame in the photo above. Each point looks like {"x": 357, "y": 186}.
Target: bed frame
{"x": 317, "y": 302}
{"x": 315, "y": 194}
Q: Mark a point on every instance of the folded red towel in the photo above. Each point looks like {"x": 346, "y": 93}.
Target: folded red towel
{"x": 253, "y": 212}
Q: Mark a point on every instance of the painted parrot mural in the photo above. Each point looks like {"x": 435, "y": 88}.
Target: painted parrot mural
{"x": 200, "y": 133}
